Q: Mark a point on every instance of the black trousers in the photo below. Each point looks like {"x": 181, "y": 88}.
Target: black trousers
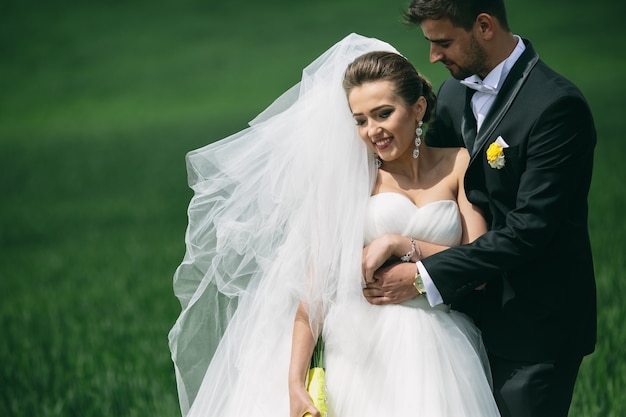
{"x": 525, "y": 389}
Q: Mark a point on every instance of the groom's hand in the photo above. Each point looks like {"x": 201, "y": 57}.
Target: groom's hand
{"x": 393, "y": 284}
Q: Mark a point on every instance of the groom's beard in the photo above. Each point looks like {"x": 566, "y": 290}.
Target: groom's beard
{"x": 475, "y": 64}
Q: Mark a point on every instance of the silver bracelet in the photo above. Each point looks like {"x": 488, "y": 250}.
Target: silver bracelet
{"x": 409, "y": 255}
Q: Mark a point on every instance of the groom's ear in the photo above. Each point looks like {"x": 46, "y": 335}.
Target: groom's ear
{"x": 485, "y": 26}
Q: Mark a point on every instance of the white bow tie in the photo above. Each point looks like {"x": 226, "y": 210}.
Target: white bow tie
{"x": 478, "y": 86}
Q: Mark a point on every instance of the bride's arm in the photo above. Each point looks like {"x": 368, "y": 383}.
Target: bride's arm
{"x": 390, "y": 246}
{"x": 302, "y": 347}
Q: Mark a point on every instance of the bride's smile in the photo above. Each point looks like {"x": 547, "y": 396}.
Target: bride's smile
{"x": 382, "y": 143}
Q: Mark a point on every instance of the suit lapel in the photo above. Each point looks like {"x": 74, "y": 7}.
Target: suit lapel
{"x": 468, "y": 122}
{"x": 512, "y": 85}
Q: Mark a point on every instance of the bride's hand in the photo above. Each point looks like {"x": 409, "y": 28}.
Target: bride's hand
{"x": 300, "y": 403}
{"x": 376, "y": 254}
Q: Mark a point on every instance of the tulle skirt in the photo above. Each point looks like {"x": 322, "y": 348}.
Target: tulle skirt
{"x": 392, "y": 361}
{"x": 405, "y": 360}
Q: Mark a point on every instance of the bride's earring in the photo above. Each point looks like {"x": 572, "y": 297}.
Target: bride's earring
{"x": 379, "y": 162}
{"x": 418, "y": 139}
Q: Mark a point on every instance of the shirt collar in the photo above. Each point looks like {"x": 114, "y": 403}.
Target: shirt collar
{"x": 494, "y": 80}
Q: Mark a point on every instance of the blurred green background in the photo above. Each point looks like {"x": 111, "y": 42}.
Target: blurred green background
{"x": 100, "y": 101}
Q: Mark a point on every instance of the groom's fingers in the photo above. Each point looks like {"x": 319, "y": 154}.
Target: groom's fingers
{"x": 369, "y": 291}
{"x": 375, "y": 295}
{"x": 378, "y": 301}
{"x": 373, "y": 291}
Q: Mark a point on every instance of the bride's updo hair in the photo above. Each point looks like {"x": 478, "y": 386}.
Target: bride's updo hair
{"x": 408, "y": 84}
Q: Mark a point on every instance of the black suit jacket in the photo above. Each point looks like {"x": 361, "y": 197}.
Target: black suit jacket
{"x": 540, "y": 299}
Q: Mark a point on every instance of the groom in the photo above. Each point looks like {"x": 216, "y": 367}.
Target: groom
{"x": 531, "y": 138}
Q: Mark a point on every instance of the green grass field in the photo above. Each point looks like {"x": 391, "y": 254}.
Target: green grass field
{"x": 100, "y": 101}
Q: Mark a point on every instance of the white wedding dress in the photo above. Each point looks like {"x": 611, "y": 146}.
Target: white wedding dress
{"x": 407, "y": 359}
{"x": 279, "y": 216}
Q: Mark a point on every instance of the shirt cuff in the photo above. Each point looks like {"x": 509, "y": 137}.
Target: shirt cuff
{"x": 432, "y": 293}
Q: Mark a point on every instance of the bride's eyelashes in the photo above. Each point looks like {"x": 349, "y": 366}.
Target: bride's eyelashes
{"x": 383, "y": 114}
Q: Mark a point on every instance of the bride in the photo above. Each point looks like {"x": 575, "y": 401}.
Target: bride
{"x": 290, "y": 218}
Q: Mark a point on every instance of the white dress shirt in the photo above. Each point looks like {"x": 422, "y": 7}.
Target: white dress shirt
{"x": 489, "y": 87}
{"x": 486, "y": 92}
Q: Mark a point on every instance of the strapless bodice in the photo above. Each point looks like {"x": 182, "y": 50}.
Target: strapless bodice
{"x": 437, "y": 222}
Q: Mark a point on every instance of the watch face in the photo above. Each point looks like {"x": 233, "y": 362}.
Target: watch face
{"x": 419, "y": 284}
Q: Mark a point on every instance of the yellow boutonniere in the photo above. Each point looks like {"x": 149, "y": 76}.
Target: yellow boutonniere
{"x": 495, "y": 153}
{"x": 495, "y": 156}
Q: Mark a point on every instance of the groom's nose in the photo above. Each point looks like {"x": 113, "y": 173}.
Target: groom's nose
{"x": 435, "y": 53}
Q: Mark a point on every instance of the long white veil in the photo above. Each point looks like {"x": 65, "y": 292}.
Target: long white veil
{"x": 276, "y": 218}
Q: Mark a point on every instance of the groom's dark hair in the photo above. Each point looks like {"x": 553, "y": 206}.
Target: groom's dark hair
{"x": 462, "y": 13}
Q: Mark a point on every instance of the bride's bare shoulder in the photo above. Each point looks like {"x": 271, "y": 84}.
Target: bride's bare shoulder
{"x": 455, "y": 157}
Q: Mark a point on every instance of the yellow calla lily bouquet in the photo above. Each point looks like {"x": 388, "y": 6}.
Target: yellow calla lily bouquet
{"x": 316, "y": 383}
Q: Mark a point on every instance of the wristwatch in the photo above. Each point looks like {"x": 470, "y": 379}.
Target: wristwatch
{"x": 419, "y": 284}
